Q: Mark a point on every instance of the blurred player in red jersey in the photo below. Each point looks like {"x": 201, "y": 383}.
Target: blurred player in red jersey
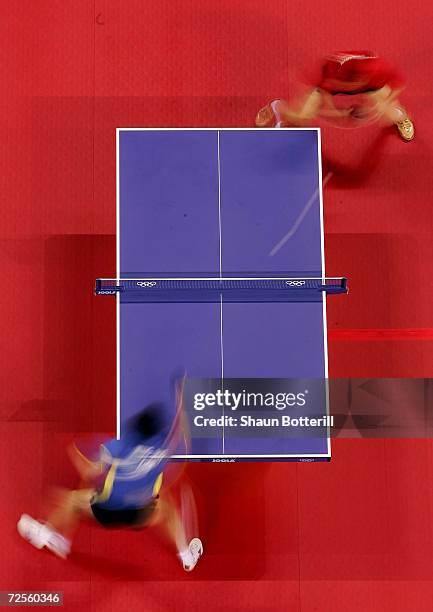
{"x": 353, "y": 88}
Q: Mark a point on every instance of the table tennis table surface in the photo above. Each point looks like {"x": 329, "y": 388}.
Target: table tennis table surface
{"x": 220, "y": 203}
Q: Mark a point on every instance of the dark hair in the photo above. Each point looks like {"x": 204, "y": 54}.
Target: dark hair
{"x": 150, "y": 421}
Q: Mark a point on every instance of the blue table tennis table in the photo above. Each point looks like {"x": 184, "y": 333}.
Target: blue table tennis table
{"x": 220, "y": 271}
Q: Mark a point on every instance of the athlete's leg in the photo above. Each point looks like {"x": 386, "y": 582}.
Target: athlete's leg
{"x": 68, "y": 507}
{"x": 188, "y": 511}
{"x": 397, "y": 115}
{"x": 55, "y": 533}
{"x": 180, "y": 524}
{"x": 392, "y": 112}
{"x": 168, "y": 518}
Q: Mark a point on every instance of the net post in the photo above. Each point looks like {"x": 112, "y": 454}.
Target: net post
{"x": 101, "y": 289}
{"x": 97, "y": 286}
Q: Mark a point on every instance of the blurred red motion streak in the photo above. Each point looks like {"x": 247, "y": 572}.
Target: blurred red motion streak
{"x": 381, "y": 334}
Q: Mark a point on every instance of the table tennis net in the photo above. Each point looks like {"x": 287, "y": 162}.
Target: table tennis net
{"x": 220, "y": 289}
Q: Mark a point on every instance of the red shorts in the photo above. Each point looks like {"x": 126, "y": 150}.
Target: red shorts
{"x": 357, "y": 72}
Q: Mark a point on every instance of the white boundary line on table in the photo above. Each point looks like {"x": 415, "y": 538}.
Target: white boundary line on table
{"x": 298, "y": 455}
{"x": 219, "y": 209}
{"x": 221, "y": 275}
{"x": 322, "y": 251}
{"x": 117, "y": 296}
{"x": 214, "y": 129}
{"x": 123, "y": 129}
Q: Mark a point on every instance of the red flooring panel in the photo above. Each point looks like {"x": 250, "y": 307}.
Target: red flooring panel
{"x": 354, "y": 534}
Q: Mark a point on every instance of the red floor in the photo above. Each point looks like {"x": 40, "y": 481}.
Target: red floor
{"x": 354, "y": 534}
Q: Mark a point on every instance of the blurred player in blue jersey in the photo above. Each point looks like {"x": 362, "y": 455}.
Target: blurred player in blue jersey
{"x": 122, "y": 488}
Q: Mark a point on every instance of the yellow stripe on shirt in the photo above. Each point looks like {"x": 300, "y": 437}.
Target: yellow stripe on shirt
{"x": 108, "y": 484}
{"x": 157, "y": 486}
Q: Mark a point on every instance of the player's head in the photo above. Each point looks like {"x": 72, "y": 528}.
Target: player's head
{"x": 149, "y": 422}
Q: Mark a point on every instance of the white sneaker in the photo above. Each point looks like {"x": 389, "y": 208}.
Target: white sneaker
{"x": 192, "y": 555}
{"x": 41, "y": 535}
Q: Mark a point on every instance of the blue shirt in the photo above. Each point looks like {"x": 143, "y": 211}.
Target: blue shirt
{"x": 133, "y": 471}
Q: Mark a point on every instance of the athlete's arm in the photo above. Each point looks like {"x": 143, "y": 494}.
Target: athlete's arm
{"x": 384, "y": 98}
{"x": 177, "y": 440}
{"x": 310, "y": 106}
{"x": 88, "y": 469}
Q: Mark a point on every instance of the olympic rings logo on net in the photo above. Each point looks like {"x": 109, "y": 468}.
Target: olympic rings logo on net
{"x": 295, "y": 283}
{"x": 146, "y": 284}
